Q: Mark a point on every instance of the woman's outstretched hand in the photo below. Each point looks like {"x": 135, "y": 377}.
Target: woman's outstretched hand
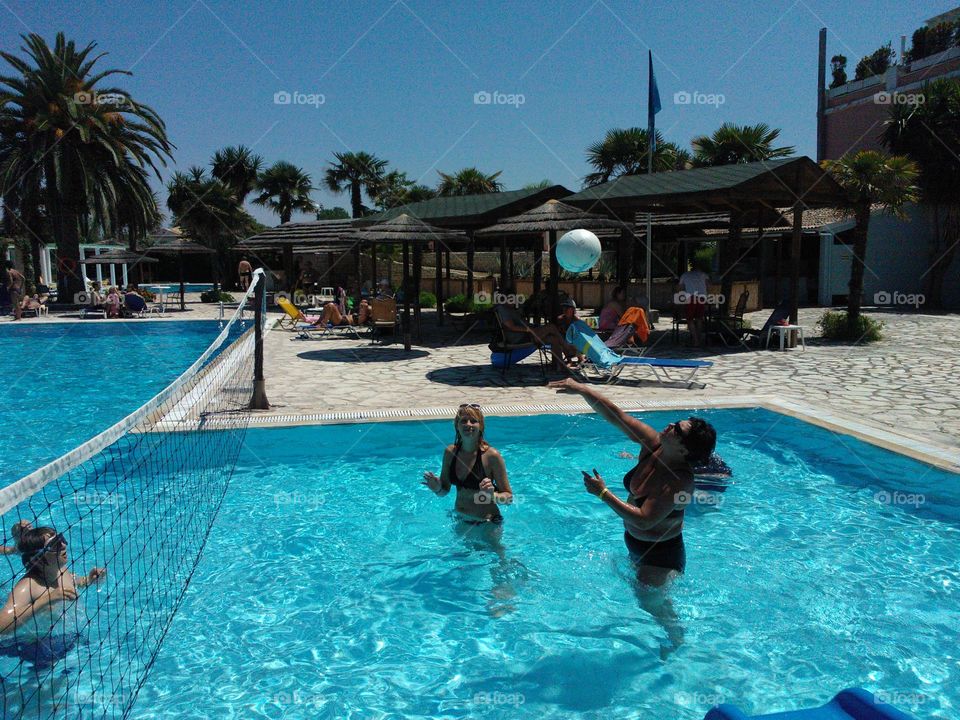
{"x": 567, "y": 385}
{"x": 593, "y": 483}
{"x": 432, "y": 481}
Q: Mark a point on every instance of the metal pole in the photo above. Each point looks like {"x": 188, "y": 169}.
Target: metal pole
{"x": 258, "y": 401}
{"x": 438, "y": 281}
{"x": 406, "y": 295}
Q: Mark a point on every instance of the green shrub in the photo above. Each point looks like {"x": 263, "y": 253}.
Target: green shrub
{"x": 834, "y": 326}
{"x": 212, "y": 296}
{"x": 427, "y": 299}
{"x": 458, "y": 303}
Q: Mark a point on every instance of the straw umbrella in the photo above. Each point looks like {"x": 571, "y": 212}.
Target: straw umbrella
{"x": 407, "y": 230}
{"x": 180, "y": 246}
{"x": 120, "y": 257}
{"x": 550, "y": 217}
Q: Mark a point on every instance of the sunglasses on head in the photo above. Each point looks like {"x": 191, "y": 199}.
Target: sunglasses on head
{"x": 469, "y": 405}
{"x": 57, "y": 542}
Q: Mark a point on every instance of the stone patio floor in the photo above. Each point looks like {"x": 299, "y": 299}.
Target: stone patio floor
{"x": 907, "y": 383}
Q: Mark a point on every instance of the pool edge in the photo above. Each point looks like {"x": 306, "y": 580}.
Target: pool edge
{"x": 939, "y": 456}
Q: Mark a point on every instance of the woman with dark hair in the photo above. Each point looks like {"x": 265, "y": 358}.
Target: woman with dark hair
{"x": 475, "y": 468}
{"x": 47, "y": 581}
{"x": 659, "y": 487}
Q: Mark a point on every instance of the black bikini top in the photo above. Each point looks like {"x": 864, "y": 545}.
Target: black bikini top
{"x": 473, "y": 478}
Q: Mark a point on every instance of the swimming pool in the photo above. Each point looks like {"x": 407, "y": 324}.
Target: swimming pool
{"x": 173, "y": 287}
{"x": 335, "y": 586}
{"x": 66, "y": 382}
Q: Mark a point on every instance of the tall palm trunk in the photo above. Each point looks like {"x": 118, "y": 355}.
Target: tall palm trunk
{"x": 65, "y": 220}
{"x": 946, "y": 231}
{"x": 856, "y": 271}
{"x": 356, "y": 202}
{"x": 285, "y": 215}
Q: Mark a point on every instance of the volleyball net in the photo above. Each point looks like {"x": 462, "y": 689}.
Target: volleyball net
{"x": 100, "y": 545}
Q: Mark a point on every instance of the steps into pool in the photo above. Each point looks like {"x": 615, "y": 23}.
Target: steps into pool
{"x": 851, "y": 704}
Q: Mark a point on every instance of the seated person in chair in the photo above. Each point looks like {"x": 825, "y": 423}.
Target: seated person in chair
{"x": 611, "y": 312}
{"x": 568, "y": 315}
{"x": 516, "y": 331}
{"x": 332, "y": 316}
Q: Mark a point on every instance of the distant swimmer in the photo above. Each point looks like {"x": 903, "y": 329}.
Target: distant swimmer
{"x": 47, "y": 580}
{"x": 16, "y": 532}
{"x": 475, "y": 468}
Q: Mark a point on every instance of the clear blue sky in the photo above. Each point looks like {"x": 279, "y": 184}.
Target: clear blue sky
{"x": 398, "y": 78}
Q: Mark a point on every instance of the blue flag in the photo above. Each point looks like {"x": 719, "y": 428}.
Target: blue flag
{"x": 653, "y": 103}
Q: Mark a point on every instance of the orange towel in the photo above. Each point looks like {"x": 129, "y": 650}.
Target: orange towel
{"x": 638, "y": 318}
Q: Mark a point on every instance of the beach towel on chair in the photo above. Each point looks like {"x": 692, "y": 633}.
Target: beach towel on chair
{"x": 638, "y": 318}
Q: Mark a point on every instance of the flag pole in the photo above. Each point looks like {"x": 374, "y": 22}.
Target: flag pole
{"x": 653, "y": 107}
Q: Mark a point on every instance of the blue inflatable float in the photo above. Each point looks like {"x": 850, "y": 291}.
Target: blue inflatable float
{"x": 852, "y": 704}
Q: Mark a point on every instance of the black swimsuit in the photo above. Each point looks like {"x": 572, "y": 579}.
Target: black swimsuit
{"x": 472, "y": 482}
{"x": 669, "y": 554}
{"x": 476, "y": 474}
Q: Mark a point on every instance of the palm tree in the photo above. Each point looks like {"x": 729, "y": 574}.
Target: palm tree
{"x": 731, "y": 144}
{"x": 355, "y": 172}
{"x": 396, "y": 190}
{"x": 929, "y": 134}
{"x": 238, "y": 168}
{"x": 624, "y": 151}
{"x": 469, "y": 181}
{"x": 870, "y": 178}
{"x": 285, "y": 188}
{"x": 87, "y": 146}
{"x": 208, "y": 210}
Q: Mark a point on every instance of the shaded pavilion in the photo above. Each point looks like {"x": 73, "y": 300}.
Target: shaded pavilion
{"x": 180, "y": 246}
{"x": 471, "y": 213}
{"x": 313, "y": 236}
{"x": 551, "y": 217}
{"x": 751, "y": 193}
{"x": 406, "y": 231}
{"x": 120, "y": 256}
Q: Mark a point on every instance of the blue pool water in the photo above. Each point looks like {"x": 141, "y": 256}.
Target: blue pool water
{"x": 66, "y": 382}
{"x": 334, "y": 585}
{"x": 174, "y": 287}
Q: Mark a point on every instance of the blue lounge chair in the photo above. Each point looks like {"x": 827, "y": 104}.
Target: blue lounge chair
{"x": 853, "y": 704}
{"x": 604, "y": 364}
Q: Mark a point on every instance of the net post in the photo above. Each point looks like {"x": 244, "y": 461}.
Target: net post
{"x": 258, "y": 401}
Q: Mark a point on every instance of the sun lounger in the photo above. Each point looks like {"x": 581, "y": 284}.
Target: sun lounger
{"x": 605, "y": 365}
{"x": 506, "y": 351}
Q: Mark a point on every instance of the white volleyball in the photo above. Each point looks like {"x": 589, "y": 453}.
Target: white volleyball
{"x": 578, "y": 250}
